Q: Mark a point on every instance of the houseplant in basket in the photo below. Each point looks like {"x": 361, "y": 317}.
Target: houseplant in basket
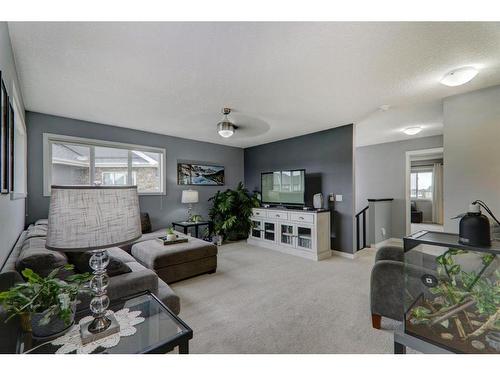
{"x": 46, "y": 305}
{"x": 231, "y": 211}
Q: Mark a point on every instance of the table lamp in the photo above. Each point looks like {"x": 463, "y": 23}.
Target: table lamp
{"x": 189, "y": 197}
{"x": 94, "y": 218}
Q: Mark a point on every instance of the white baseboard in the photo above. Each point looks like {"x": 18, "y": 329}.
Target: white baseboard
{"x": 349, "y": 255}
{"x": 389, "y": 241}
{"x": 343, "y": 254}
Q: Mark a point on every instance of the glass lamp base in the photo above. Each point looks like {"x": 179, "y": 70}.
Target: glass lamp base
{"x": 89, "y": 332}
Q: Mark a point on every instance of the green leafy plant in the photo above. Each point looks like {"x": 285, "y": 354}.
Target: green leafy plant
{"x": 170, "y": 230}
{"x": 231, "y": 211}
{"x": 196, "y": 218}
{"x": 459, "y": 291}
{"x": 49, "y": 295}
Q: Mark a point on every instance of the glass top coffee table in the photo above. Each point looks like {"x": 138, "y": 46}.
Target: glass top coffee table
{"x": 160, "y": 332}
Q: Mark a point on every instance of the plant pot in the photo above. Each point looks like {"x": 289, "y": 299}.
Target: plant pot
{"x": 55, "y": 327}
{"x": 219, "y": 240}
{"x": 171, "y": 237}
{"x": 25, "y": 320}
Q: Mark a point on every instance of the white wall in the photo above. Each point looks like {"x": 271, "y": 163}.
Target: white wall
{"x": 12, "y": 212}
{"x": 471, "y": 152}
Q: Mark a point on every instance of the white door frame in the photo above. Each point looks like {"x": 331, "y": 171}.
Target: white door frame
{"x": 409, "y": 154}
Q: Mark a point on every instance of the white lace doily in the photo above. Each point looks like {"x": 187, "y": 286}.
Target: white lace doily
{"x": 71, "y": 341}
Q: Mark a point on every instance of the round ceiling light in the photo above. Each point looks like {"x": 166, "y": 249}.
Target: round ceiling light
{"x": 459, "y": 76}
{"x": 413, "y": 130}
{"x": 226, "y": 128}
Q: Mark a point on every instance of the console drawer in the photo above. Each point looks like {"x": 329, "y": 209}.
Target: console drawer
{"x": 302, "y": 217}
{"x": 259, "y": 213}
{"x": 277, "y": 215}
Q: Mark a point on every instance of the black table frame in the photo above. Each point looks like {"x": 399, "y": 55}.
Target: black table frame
{"x": 180, "y": 340}
{"x": 187, "y": 225}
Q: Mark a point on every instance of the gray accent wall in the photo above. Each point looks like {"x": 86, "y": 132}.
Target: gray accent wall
{"x": 163, "y": 209}
{"x": 471, "y": 148}
{"x": 12, "y": 211}
{"x": 380, "y": 173}
{"x": 327, "y": 157}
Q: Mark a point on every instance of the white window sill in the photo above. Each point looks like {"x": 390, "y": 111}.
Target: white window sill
{"x": 15, "y": 196}
{"x": 139, "y": 194}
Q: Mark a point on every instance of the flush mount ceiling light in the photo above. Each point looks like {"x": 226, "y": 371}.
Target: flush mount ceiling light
{"x": 226, "y": 128}
{"x": 412, "y": 130}
{"x": 459, "y": 76}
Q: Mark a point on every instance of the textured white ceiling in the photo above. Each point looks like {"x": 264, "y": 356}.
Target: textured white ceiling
{"x": 281, "y": 79}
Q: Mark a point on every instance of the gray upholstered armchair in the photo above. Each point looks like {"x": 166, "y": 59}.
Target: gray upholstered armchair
{"x": 387, "y": 284}
{"x": 9, "y": 330}
{"x": 387, "y": 288}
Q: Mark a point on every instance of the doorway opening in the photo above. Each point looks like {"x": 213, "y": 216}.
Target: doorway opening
{"x": 424, "y": 190}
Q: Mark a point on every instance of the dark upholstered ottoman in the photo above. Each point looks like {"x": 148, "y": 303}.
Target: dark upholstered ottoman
{"x": 179, "y": 261}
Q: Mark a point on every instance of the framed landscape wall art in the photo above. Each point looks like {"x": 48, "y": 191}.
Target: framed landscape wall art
{"x": 200, "y": 174}
{"x": 4, "y": 139}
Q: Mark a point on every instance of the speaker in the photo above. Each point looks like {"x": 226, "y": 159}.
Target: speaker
{"x": 318, "y": 201}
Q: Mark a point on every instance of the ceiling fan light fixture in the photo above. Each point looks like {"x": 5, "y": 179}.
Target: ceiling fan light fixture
{"x": 413, "y": 130}
{"x": 459, "y": 76}
{"x": 226, "y": 128}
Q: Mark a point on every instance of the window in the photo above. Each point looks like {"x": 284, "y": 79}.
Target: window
{"x": 421, "y": 184}
{"x": 81, "y": 161}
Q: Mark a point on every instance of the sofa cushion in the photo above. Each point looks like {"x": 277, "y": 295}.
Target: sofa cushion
{"x": 115, "y": 267}
{"x": 36, "y": 231}
{"x": 42, "y": 222}
{"x": 34, "y": 255}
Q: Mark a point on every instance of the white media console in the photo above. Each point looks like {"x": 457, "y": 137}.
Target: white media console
{"x": 292, "y": 231}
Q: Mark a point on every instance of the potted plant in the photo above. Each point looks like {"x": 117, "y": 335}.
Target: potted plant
{"x": 45, "y": 305}
{"x": 231, "y": 211}
{"x": 196, "y": 218}
{"x": 171, "y": 236}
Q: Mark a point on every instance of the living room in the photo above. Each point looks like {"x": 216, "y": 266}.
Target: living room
{"x": 249, "y": 187}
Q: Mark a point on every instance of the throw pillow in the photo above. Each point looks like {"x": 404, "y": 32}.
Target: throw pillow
{"x": 34, "y": 255}
{"x": 145, "y": 223}
{"x": 81, "y": 262}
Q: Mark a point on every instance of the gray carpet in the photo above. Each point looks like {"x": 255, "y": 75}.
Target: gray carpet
{"x": 263, "y": 301}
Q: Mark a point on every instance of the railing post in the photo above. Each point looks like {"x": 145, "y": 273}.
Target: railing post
{"x": 357, "y": 233}
{"x": 364, "y": 229}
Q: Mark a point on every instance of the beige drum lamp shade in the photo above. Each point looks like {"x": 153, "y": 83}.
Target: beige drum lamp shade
{"x": 83, "y": 218}
{"x": 189, "y": 196}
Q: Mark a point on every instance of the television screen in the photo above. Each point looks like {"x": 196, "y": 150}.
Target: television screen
{"x": 283, "y": 187}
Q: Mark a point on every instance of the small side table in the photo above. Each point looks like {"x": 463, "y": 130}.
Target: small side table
{"x": 403, "y": 340}
{"x": 160, "y": 332}
{"x": 188, "y": 224}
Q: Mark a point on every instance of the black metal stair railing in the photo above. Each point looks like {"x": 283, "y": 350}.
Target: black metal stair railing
{"x": 361, "y": 235}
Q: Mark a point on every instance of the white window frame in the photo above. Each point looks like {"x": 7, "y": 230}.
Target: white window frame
{"x": 49, "y": 138}
{"x": 20, "y": 139}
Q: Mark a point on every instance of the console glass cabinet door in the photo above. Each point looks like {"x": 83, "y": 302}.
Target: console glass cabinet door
{"x": 286, "y": 236}
{"x": 270, "y": 231}
{"x": 305, "y": 237}
{"x": 256, "y": 231}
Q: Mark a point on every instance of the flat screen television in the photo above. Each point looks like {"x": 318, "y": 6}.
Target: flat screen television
{"x": 283, "y": 187}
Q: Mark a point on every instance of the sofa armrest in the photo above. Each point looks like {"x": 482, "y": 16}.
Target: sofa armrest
{"x": 391, "y": 252}
{"x": 9, "y": 330}
{"x": 9, "y": 279}
{"x": 387, "y": 289}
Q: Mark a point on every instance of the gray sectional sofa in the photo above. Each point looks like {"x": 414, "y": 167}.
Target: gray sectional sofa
{"x": 30, "y": 251}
